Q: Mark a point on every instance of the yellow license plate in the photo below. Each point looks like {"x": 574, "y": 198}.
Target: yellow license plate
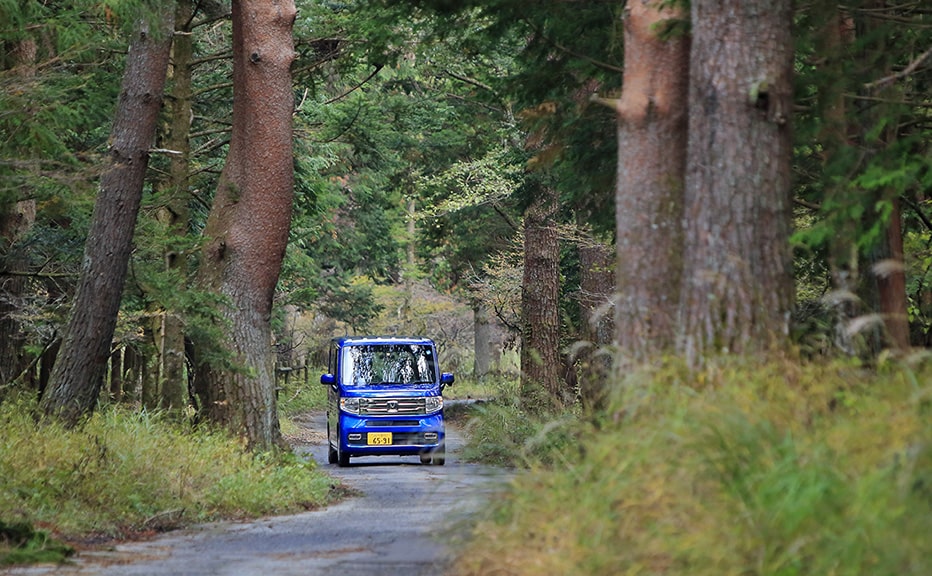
{"x": 379, "y": 439}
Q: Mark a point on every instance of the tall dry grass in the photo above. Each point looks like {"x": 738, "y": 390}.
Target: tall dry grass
{"x": 124, "y": 472}
{"x": 771, "y": 469}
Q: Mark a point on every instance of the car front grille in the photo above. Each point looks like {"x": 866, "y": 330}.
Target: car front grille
{"x": 385, "y": 423}
{"x": 392, "y": 406}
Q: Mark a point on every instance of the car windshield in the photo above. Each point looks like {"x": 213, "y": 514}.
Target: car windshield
{"x": 374, "y": 364}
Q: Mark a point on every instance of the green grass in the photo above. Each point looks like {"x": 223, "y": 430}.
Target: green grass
{"x": 124, "y": 473}
{"x": 302, "y": 393}
{"x": 20, "y": 543}
{"x": 742, "y": 469}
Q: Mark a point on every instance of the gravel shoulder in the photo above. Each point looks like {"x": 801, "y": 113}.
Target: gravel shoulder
{"x": 407, "y": 519}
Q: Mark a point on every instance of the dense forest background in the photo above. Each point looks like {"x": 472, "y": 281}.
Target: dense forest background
{"x": 687, "y": 246}
{"x": 460, "y": 157}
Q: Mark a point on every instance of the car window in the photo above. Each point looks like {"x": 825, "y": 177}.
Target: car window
{"x": 374, "y": 364}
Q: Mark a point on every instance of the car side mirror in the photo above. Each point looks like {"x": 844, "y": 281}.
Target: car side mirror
{"x": 447, "y": 379}
{"x": 328, "y": 379}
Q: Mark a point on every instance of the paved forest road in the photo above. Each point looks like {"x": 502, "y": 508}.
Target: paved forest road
{"x": 407, "y": 520}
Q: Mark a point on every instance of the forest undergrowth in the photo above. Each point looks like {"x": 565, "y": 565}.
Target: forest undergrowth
{"x": 125, "y": 473}
{"x": 739, "y": 469}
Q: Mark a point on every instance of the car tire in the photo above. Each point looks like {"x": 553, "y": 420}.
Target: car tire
{"x": 425, "y": 458}
{"x": 342, "y": 458}
{"x": 331, "y": 451}
{"x": 440, "y": 455}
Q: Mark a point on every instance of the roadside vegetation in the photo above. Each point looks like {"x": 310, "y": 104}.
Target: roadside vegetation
{"x": 125, "y": 473}
{"x": 740, "y": 468}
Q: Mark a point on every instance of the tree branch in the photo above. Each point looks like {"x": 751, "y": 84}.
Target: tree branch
{"x": 356, "y": 87}
{"x": 902, "y": 73}
{"x": 919, "y": 213}
{"x": 562, "y": 48}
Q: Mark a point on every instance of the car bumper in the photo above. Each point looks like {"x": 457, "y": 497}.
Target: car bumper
{"x": 408, "y": 436}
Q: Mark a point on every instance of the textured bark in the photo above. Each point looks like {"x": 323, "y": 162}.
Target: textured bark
{"x": 407, "y": 311}
{"x": 78, "y": 373}
{"x": 173, "y": 388}
{"x": 132, "y": 381}
{"x": 737, "y": 285}
{"x": 890, "y": 273}
{"x": 15, "y": 222}
{"x": 541, "y": 384}
{"x": 482, "y": 341}
{"x": 116, "y": 375}
{"x": 597, "y": 285}
{"x": 247, "y": 229}
{"x": 649, "y": 196}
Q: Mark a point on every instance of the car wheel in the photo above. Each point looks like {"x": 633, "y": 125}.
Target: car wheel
{"x": 342, "y": 458}
{"x": 331, "y": 451}
{"x": 425, "y": 458}
{"x": 440, "y": 455}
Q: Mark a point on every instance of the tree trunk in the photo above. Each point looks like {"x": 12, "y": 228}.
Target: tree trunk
{"x": 407, "y": 313}
{"x": 834, "y": 137}
{"x": 597, "y": 286}
{"x": 132, "y": 392}
{"x": 148, "y": 379}
{"x": 15, "y": 222}
{"x": 482, "y": 340}
{"x": 888, "y": 270}
{"x": 116, "y": 375}
{"x": 738, "y": 287}
{"x": 890, "y": 273}
{"x": 175, "y": 214}
{"x": 46, "y": 364}
{"x": 247, "y": 229}
{"x": 79, "y": 370}
{"x": 541, "y": 383}
{"x": 649, "y": 196}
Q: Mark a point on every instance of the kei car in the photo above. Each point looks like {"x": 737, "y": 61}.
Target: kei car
{"x": 385, "y": 397}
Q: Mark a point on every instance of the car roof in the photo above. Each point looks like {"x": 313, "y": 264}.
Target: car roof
{"x": 353, "y": 340}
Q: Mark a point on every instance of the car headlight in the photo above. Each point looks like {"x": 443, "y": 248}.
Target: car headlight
{"x": 433, "y": 404}
{"x": 350, "y": 405}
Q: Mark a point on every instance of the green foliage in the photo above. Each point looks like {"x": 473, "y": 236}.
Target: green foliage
{"x": 20, "y": 543}
{"x": 121, "y": 473}
{"x": 744, "y": 468}
{"x": 501, "y": 432}
{"x": 55, "y": 103}
{"x": 302, "y": 393}
{"x": 862, "y": 131}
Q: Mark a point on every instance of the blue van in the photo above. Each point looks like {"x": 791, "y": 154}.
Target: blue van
{"x": 385, "y": 397}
